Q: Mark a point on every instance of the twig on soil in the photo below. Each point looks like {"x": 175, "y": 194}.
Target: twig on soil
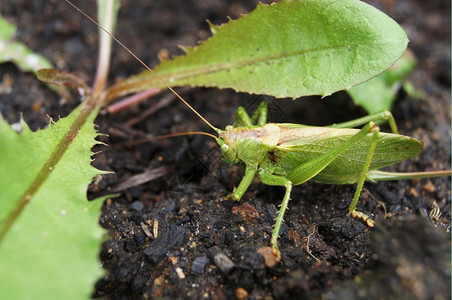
{"x": 307, "y": 247}
{"x": 155, "y": 228}
{"x": 146, "y": 231}
{"x": 148, "y": 175}
{"x": 165, "y": 101}
{"x": 132, "y": 100}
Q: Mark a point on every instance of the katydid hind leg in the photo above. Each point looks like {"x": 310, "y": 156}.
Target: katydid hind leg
{"x": 377, "y": 118}
{"x": 377, "y": 175}
{"x": 362, "y": 178}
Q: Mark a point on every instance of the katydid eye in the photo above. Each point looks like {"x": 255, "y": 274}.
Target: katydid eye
{"x": 225, "y": 148}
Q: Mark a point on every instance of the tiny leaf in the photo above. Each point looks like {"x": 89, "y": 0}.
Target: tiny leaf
{"x": 287, "y": 49}
{"x": 65, "y": 78}
{"x": 18, "y": 53}
{"x": 379, "y": 93}
{"x": 22, "y": 56}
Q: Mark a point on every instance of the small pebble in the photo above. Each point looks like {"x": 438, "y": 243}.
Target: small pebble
{"x": 241, "y": 293}
{"x": 224, "y": 263}
{"x": 137, "y": 206}
{"x": 199, "y": 265}
{"x": 140, "y": 239}
{"x": 270, "y": 259}
{"x": 429, "y": 187}
{"x": 129, "y": 245}
{"x": 220, "y": 259}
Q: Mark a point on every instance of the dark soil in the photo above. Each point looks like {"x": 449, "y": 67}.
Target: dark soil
{"x": 208, "y": 247}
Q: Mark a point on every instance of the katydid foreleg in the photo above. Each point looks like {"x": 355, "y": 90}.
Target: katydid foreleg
{"x": 259, "y": 115}
{"x": 362, "y": 178}
{"x": 250, "y": 173}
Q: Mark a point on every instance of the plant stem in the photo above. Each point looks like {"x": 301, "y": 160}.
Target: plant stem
{"x": 107, "y": 12}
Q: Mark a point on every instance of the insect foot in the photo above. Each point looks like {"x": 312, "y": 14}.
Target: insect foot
{"x": 364, "y": 217}
{"x": 277, "y": 254}
{"x": 233, "y": 196}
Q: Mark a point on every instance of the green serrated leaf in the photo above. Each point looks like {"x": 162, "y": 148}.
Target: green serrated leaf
{"x": 288, "y": 49}
{"x": 379, "y": 93}
{"x": 51, "y": 250}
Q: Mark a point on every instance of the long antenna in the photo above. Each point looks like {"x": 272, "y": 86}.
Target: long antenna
{"x": 141, "y": 62}
{"x": 159, "y": 137}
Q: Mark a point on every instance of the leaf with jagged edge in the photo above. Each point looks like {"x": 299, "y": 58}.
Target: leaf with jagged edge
{"x": 287, "y": 49}
{"x": 51, "y": 249}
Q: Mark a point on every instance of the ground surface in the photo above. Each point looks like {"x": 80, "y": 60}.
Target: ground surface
{"x": 208, "y": 247}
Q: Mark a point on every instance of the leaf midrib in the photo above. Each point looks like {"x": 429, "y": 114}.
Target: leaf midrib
{"x": 238, "y": 64}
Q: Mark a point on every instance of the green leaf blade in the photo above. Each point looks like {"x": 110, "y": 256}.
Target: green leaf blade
{"x": 22, "y": 56}
{"x": 17, "y": 52}
{"x": 289, "y": 49}
{"x": 51, "y": 250}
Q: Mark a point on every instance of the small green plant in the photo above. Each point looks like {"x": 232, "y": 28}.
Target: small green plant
{"x": 380, "y": 92}
{"x": 22, "y": 56}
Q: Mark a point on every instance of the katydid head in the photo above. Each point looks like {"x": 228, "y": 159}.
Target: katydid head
{"x": 227, "y": 141}
{"x": 248, "y": 145}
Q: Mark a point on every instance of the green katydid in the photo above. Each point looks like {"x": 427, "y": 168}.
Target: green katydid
{"x": 284, "y": 154}
{"x": 291, "y": 154}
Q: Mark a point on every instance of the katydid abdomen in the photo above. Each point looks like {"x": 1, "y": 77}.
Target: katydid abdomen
{"x": 279, "y": 148}
{"x": 299, "y": 144}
